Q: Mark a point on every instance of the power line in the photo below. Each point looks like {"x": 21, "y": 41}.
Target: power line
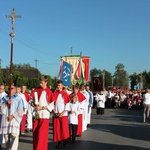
{"x": 24, "y": 40}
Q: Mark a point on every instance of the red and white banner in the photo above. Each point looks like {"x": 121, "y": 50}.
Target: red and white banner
{"x": 78, "y": 62}
{"x": 86, "y": 64}
{"x": 60, "y": 70}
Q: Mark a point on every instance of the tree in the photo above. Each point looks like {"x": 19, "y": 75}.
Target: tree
{"x": 19, "y": 79}
{"x": 18, "y": 75}
{"x": 146, "y": 79}
{"x": 108, "y": 79}
{"x": 104, "y": 74}
{"x": 6, "y": 77}
{"x": 54, "y": 82}
{"x": 141, "y": 79}
{"x": 120, "y": 76}
{"x": 95, "y": 73}
{"x": 50, "y": 80}
{"x": 134, "y": 80}
{"x": 21, "y": 66}
{"x": 33, "y": 83}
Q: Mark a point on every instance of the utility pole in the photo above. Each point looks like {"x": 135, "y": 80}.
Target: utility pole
{"x": 12, "y": 35}
{"x": 141, "y": 81}
{"x": 71, "y": 51}
{"x": 80, "y": 54}
{"x": 36, "y": 63}
{"x": 103, "y": 73}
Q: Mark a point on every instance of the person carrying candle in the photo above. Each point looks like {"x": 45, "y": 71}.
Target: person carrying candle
{"x": 43, "y": 105}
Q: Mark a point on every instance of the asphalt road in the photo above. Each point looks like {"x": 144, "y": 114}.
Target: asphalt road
{"x": 117, "y": 129}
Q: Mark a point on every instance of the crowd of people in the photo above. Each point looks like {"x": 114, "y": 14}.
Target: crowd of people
{"x": 123, "y": 99}
{"x": 22, "y": 111}
{"x": 118, "y": 99}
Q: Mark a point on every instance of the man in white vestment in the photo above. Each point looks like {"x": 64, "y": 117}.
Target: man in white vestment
{"x": 100, "y": 98}
{"x": 2, "y": 94}
{"x": 23, "y": 122}
{"x": 30, "y": 110}
{"x": 90, "y": 104}
{"x": 11, "y": 108}
{"x": 84, "y": 106}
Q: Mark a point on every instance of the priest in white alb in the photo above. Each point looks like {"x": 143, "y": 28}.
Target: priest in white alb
{"x": 11, "y": 108}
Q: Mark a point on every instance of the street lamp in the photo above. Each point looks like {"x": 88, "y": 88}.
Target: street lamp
{"x": 141, "y": 82}
{"x": 103, "y": 73}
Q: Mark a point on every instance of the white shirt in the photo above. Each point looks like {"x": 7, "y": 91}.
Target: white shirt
{"x": 24, "y": 101}
{"x": 44, "y": 114}
{"x": 100, "y": 100}
{"x": 68, "y": 92}
{"x": 146, "y": 98}
{"x": 86, "y": 102}
{"x": 60, "y": 105}
{"x": 109, "y": 95}
{"x": 2, "y": 94}
{"x": 73, "y": 118}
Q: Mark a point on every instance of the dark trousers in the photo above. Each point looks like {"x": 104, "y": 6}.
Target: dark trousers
{"x": 99, "y": 111}
{"x": 109, "y": 103}
{"x": 73, "y": 130}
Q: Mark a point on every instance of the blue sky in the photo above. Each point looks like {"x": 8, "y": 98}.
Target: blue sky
{"x": 109, "y": 31}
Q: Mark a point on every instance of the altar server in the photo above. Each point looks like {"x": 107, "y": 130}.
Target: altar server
{"x": 42, "y": 102}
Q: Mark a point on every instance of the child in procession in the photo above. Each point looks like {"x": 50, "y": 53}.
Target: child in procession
{"x": 74, "y": 108}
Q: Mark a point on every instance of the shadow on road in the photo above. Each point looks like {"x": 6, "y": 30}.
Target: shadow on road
{"x": 91, "y": 145}
{"x": 128, "y": 131}
{"x": 122, "y": 122}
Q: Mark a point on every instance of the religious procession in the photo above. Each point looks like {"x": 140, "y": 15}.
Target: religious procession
{"x": 30, "y": 112}
{"x": 67, "y": 108}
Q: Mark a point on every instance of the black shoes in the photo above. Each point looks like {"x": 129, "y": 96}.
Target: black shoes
{"x": 59, "y": 145}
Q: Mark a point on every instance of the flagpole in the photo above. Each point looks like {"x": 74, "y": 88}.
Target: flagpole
{"x": 80, "y": 66}
{"x": 83, "y": 82}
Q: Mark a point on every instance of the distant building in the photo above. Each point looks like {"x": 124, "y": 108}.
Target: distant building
{"x": 28, "y": 73}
